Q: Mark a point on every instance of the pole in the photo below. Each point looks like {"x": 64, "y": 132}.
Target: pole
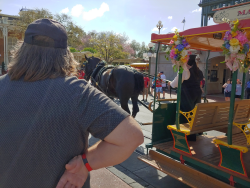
{"x": 184, "y": 23}
{"x": 231, "y": 112}
{"x": 156, "y": 61}
{"x": 205, "y": 89}
{"x": 177, "y": 116}
{"x": 243, "y": 85}
{"x": 149, "y": 69}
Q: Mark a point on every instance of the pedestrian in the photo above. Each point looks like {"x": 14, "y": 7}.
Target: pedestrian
{"x": 164, "y": 86}
{"x": 190, "y": 88}
{"x": 46, "y": 117}
{"x": 158, "y": 86}
{"x": 146, "y": 86}
{"x": 248, "y": 89}
{"x": 238, "y": 90}
{"x": 153, "y": 87}
{"x": 227, "y": 89}
{"x": 81, "y": 74}
{"x": 202, "y": 84}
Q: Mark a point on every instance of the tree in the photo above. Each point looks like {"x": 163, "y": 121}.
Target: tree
{"x": 136, "y": 47}
{"x": 108, "y": 46}
{"x": 75, "y": 33}
{"x": 143, "y": 49}
{"x": 86, "y": 40}
{"x": 127, "y": 48}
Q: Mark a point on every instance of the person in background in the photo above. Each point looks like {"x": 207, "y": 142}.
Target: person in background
{"x": 227, "y": 89}
{"x": 81, "y": 74}
{"x": 47, "y": 115}
{"x": 202, "y": 84}
{"x": 248, "y": 89}
{"x": 238, "y": 90}
{"x": 146, "y": 86}
{"x": 153, "y": 87}
{"x": 190, "y": 88}
{"x": 164, "y": 86}
{"x": 158, "y": 86}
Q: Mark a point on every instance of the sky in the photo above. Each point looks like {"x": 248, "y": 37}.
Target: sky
{"x": 136, "y": 18}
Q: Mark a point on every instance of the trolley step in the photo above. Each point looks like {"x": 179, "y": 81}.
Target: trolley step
{"x": 181, "y": 172}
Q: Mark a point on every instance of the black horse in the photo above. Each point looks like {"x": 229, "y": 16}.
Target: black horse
{"x": 119, "y": 82}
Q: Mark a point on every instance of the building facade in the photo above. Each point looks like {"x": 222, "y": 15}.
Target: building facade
{"x": 209, "y": 5}
{"x": 218, "y": 73}
{"x": 8, "y": 38}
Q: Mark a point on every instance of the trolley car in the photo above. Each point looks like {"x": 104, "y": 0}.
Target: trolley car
{"x": 222, "y": 161}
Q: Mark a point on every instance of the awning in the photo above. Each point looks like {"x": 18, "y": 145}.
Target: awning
{"x": 128, "y": 60}
{"x": 202, "y": 38}
{"x": 140, "y": 65}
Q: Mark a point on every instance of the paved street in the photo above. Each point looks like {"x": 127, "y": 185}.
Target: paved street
{"x": 133, "y": 172}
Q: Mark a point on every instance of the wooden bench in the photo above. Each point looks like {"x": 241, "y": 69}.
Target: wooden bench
{"x": 231, "y": 154}
{"x": 206, "y": 117}
{"x": 212, "y": 116}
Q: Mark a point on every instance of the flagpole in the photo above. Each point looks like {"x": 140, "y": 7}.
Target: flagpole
{"x": 184, "y": 23}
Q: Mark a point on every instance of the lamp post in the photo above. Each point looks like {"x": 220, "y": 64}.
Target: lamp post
{"x": 159, "y": 26}
{"x": 150, "y": 55}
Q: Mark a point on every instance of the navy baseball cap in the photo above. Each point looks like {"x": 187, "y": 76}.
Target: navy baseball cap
{"x": 49, "y": 28}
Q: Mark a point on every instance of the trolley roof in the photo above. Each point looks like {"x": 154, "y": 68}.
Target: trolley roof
{"x": 203, "y": 38}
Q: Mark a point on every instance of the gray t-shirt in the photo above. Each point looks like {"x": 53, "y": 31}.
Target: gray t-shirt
{"x": 228, "y": 88}
{"x": 46, "y": 123}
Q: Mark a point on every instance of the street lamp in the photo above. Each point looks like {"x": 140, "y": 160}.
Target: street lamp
{"x": 159, "y": 26}
{"x": 150, "y": 53}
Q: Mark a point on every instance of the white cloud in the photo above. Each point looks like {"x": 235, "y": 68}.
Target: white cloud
{"x": 94, "y": 13}
{"x": 170, "y": 17}
{"x": 155, "y": 29}
{"x": 164, "y": 28}
{"x": 196, "y": 10}
{"x": 65, "y": 11}
{"x": 77, "y": 10}
{"x": 174, "y": 28}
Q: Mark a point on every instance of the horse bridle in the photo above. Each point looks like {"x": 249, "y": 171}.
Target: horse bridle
{"x": 88, "y": 76}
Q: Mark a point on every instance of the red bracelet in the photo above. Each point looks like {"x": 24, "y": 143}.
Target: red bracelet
{"x": 86, "y": 163}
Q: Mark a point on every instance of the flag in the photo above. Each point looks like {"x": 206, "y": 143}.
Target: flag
{"x": 183, "y": 21}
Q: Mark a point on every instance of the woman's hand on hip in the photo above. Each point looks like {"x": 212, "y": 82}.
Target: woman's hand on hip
{"x": 75, "y": 174}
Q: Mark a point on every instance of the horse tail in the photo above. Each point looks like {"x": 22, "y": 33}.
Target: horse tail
{"x": 139, "y": 82}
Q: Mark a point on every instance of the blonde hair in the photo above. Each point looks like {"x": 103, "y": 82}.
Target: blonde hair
{"x": 41, "y": 61}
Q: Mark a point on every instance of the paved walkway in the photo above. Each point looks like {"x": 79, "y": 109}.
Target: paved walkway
{"x": 133, "y": 172}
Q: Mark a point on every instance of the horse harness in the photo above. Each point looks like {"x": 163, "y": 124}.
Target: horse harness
{"x": 98, "y": 71}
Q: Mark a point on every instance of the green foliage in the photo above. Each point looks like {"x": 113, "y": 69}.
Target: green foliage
{"x": 73, "y": 50}
{"x": 108, "y": 46}
{"x": 92, "y": 50}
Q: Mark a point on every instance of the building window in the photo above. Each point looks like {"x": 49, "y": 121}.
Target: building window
{"x": 11, "y": 41}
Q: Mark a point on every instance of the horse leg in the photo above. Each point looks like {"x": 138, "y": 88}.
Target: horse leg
{"x": 135, "y": 105}
{"x": 124, "y": 104}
